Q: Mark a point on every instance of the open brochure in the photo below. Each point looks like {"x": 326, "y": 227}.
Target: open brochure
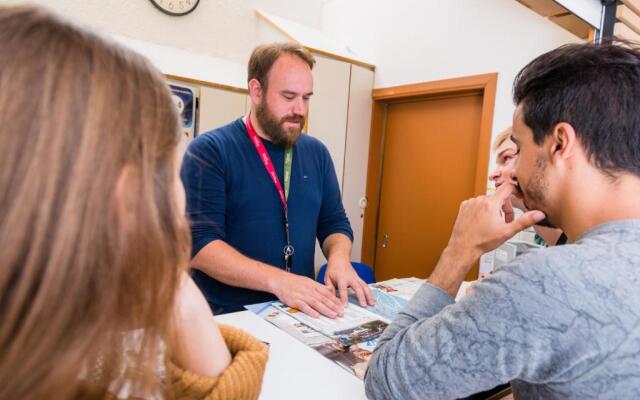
{"x": 387, "y": 304}
{"x": 354, "y": 316}
{"x": 348, "y": 341}
{"x": 403, "y": 288}
{"x": 353, "y": 358}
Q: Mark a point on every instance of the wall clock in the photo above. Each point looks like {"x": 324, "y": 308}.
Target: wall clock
{"x": 175, "y": 8}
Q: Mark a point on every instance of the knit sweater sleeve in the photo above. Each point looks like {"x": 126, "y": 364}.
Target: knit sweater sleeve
{"x": 242, "y": 379}
{"x": 503, "y": 330}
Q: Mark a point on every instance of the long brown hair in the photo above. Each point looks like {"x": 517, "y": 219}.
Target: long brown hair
{"x": 84, "y": 257}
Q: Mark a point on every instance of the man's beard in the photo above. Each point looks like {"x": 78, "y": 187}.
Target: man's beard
{"x": 535, "y": 191}
{"x": 274, "y": 128}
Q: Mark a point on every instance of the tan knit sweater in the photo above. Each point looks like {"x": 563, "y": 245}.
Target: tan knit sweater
{"x": 241, "y": 380}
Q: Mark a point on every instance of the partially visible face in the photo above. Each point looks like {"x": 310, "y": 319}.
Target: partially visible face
{"x": 530, "y": 168}
{"x": 285, "y": 102}
{"x": 506, "y": 155}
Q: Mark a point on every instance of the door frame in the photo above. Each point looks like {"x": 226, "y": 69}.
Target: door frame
{"x": 484, "y": 84}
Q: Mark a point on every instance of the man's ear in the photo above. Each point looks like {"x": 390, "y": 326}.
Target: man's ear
{"x": 256, "y": 91}
{"x": 562, "y": 142}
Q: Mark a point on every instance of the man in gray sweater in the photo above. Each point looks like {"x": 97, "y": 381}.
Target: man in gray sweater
{"x": 562, "y": 322}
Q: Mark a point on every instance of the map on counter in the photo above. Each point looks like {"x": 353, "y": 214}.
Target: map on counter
{"x": 354, "y": 316}
{"x": 360, "y": 326}
{"x": 353, "y": 359}
{"x": 387, "y": 305}
{"x": 404, "y": 288}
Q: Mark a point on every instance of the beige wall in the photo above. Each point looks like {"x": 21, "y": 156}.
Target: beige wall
{"x": 218, "y": 28}
{"x": 413, "y": 41}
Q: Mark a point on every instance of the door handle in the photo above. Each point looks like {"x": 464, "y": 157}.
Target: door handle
{"x": 385, "y": 241}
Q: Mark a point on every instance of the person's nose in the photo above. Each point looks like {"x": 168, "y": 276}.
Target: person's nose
{"x": 495, "y": 174}
{"x": 299, "y": 107}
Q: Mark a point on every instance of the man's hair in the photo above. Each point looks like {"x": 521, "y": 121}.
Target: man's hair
{"x": 264, "y": 56}
{"x": 501, "y": 138}
{"x": 596, "y": 89}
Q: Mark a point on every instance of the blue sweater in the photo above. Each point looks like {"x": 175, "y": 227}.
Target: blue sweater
{"x": 230, "y": 197}
{"x": 559, "y": 323}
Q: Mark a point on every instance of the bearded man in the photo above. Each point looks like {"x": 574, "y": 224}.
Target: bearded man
{"x": 259, "y": 193}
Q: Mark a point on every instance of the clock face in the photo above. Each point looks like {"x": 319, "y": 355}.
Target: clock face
{"x": 175, "y": 7}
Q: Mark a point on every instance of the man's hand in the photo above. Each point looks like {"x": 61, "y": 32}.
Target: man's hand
{"x": 307, "y": 295}
{"x": 341, "y": 275}
{"x": 484, "y": 223}
{"x": 516, "y": 202}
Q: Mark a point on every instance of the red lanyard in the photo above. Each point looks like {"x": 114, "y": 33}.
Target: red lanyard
{"x": 268, "y": 165}
{"x": 266, "y": 160}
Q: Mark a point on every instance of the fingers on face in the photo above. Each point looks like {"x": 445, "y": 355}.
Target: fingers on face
{"x": 507, "y": 208}
{"x": 530, "y": 218}
{"x": 504, "y": 191}
{"x": 527, "y": 220}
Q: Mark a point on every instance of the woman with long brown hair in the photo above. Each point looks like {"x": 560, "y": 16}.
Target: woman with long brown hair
{"x": 94, "y": 297}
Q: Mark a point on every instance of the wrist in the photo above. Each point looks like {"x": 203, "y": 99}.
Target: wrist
{"x": 337, "y": 259}
{"x": 453, "y": 265}
{"x": 337, "y": 248}
{"x": 465, "y": 254}
{"x": 274, "y": 278}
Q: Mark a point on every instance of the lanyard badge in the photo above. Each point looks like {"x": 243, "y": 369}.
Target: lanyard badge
{"x": 288, "y": 249}
{"x": 284, "y": 194}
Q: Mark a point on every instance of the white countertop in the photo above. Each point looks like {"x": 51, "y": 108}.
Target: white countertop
{"x": 295, "y": 371}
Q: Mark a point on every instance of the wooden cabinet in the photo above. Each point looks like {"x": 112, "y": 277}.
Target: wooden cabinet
{"x": 328, "y": 108}
{"x": 356, "y": 154}
{"x": 218, "y": 107}
{"x": 340, "y": 116}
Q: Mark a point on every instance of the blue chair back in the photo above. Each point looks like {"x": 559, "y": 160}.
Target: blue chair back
{"x": 364, "y": 271}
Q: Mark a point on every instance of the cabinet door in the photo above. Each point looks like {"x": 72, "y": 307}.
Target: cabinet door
{"x": 218, "y": 107}
{"x": 328, "y": 107}
{"x": 328, "y": 114}
{"x": 356, "y": 156}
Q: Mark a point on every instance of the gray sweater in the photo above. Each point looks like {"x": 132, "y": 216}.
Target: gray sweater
{"x": 562, "y": 322}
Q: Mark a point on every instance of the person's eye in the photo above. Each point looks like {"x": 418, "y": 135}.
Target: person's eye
{"x": 289, "y": 96}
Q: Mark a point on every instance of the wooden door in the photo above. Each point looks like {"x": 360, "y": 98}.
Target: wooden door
{"x": 429, "y": 166}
